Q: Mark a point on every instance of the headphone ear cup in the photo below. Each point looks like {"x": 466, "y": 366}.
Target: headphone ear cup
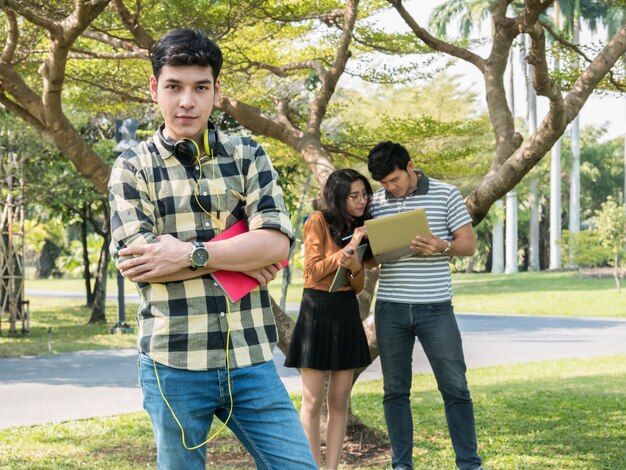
{"x": 185, "y": 151}
{"x": 210, "y": 141}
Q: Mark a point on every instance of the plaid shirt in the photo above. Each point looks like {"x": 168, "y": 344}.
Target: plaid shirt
{"x": 184, "y": 324}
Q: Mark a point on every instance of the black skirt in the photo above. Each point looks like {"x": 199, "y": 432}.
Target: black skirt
{"x": 328, "y": 334}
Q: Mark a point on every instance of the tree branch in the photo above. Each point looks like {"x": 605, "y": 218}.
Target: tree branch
{"x": 256, "y": 121}
{"x": 126, "y": 97}
{"x": 144, "y": 40}
{"x": 12, "y": 37}
{"x": 287, "y": 69}
{"x": 494, "y": 186}
{"x": 544, "y": 84}
{"x": 110, "y": 40}
{"x": 19, "y": 111}
{"x": 29, "y": 101}
{"x": 78, "y": 54}
{"x": 436, "y": 43}
{"x": 594, "y": 73}
{"x": 283, "y": 114}
{"x": 329, "y": 79}
{"x": 21, "y": 8}
{"x": 618, "y": 85}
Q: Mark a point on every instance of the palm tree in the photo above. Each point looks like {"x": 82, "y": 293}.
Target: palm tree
{"x": 574, "y": 189}
{"x": 533, "y": 195}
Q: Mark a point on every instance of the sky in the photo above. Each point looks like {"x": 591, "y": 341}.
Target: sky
{"x": 603, "y": 111}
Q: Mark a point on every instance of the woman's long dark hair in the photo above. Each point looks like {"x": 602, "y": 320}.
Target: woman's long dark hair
{"x": 336, "y": 192}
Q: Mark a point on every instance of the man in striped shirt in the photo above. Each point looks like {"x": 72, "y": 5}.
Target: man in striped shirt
{"x": 200, "y": 355}
{"x": 414, "y": 299}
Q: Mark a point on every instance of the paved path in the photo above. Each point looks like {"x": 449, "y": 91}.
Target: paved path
{"x": 43, "y": 389}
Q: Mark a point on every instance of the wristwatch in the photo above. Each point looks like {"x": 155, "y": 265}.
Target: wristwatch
{"x": 446, "y": 250}
{"x": 199, "y": 256}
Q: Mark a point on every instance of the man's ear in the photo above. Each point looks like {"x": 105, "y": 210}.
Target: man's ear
{"x": 153, "y": 88}
{"x": 216, "y": 91}
{"x": 409, "y": 166}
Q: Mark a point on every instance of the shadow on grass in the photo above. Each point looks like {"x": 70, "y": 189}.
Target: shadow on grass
{"x": 558, "y": 423}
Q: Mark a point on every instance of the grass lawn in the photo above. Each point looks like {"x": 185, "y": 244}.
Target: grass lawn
{"x": 561, "y": 294}
{"x": 70, "y": 331}
{"x": 565, "y": 414}
{"x": 545, "y": 293}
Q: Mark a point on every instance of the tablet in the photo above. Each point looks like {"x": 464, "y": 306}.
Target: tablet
{"x": 390, "y": 237}
{"x": 341, "y": 276}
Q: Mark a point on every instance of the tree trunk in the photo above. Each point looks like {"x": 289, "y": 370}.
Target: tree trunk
{"x": 624, "y": 195}
{"x": 98, "y": 312}
{"x": 555, "y": 207}
{"x": 511, "y": 233}
{"x": 511, "y": 197}
{"x": 574, "y": 193}
{"x": 497, "y": 245}
{"x": 287, "y": 269}
{"x": 616, "y": 271}
{"x": 46, "y": 263}
{"x": 89, "y": 293}
{"x": 533, "y": 226}
{"x": 533, "y": 197}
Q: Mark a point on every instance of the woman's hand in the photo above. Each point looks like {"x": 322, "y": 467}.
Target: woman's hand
{"x": 350, "y": 260}
{"x": 358, "y": 235}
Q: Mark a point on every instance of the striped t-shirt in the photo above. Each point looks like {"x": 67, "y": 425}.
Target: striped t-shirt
{"x": 421, "y": 279}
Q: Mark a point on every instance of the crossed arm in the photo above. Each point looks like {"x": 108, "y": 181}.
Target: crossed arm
{"x": 257, "y": 253}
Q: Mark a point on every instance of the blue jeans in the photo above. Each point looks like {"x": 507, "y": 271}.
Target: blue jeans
{"x": 397, "y": 326}
{"x": 264, "y": 418}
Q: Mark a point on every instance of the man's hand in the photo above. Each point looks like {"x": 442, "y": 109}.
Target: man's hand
{"x": 428, "y": 245}
{"x": 265, "y": 275}
{"x": 155, "y": 260}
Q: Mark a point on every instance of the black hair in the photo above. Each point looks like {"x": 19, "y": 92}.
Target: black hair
{"x": 385, "y": 158}
{"x": 336, "y": 192}
{"x": 185, "y": 46}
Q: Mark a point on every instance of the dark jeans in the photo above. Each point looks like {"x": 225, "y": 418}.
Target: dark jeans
{"x": 397, "y": 326}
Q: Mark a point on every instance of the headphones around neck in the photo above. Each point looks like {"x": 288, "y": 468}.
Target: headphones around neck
{"x": 187, "y": 151}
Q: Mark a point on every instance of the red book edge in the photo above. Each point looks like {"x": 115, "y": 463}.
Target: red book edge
{"x": 235, "y": 284}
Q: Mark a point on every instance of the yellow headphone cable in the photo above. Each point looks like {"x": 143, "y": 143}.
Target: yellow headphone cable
{"x": 209, "y": 150}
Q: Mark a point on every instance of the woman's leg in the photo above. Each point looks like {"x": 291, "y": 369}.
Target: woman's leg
{"x": 339, "y": 387}
{"x": 312, "y": 399}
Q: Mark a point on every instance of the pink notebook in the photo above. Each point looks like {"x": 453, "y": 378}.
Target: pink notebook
{"x": 235, "y": 284}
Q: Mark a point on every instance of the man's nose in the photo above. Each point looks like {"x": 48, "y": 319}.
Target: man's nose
{"x": 186, "y": 100}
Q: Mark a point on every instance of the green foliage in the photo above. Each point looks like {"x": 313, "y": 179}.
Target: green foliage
{"x": 610, "y": 223}
{"x": 585, "y": 247}
{"x": 71, "y": 262}
{"x": 436, "y": 122}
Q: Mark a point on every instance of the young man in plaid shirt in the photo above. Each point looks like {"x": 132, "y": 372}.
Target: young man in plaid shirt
{"x": 201, "y": 355}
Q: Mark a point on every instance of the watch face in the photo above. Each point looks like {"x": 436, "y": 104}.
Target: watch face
{"x": 200, "y": 256}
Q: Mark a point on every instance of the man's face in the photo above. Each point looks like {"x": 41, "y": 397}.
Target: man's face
{"x": 399, "y": 182}
{"x": 185, "y": 95}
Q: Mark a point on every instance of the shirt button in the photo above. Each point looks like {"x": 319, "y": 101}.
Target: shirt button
{"x": 215, "y": 284}
{"x": 197, "y": 167}
{"x": 221, "y": 314}
{"x": 205, "y": 193}
{"x": 206, "y": 224}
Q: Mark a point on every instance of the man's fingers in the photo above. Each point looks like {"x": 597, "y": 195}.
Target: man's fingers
{"x": 133, "y": 250}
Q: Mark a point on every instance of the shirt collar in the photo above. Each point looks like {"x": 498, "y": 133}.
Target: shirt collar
{"x": 423, "y": 185}
{"x": 225, "y": 145}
